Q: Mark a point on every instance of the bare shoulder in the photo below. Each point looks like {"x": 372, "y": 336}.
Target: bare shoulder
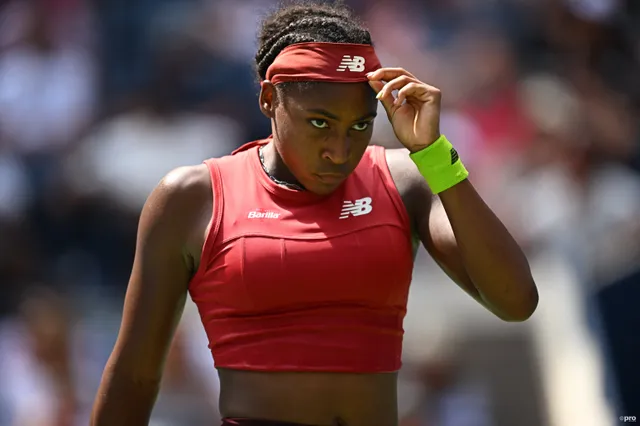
{"x": 182, "y": 192}
{"x": 413, "y": 189}
{"x": 184, "y": 184}
{"x": 178, "y": 211}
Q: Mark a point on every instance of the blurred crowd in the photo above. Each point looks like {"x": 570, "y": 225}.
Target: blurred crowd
{"x": 99, "y": 99}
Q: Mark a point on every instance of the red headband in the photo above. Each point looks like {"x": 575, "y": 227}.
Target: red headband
{"x": 331, "y": 62}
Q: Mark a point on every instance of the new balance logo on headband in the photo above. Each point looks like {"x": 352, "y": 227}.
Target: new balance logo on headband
{"x": 358, "y": 208}
{"x": 353, "y": 64}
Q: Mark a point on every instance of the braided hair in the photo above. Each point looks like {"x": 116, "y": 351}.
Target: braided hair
{"x": 303, "y": 22}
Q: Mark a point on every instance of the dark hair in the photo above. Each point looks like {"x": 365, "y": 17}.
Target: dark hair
{"x": 303, "y": 22}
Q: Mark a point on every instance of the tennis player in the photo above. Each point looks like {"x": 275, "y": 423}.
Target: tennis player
{"x": 298, "y": 249}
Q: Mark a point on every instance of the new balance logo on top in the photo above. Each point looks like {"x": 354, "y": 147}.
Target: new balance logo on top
{"x": 358, "y": 208}
{"x": 353, "y": 64}
{"x": 258, "y": 214}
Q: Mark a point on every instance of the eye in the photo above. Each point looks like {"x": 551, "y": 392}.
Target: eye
{"x": 361, "y": 127}
{"x": 319, "y": 124}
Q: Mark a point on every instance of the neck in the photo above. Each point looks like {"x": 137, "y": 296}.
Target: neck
{"x": 275, "y": 166}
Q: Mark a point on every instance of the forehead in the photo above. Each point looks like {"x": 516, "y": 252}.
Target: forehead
{"x": 356, "y": 98}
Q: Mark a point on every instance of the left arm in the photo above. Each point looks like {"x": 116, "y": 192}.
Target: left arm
{"x": 459, "y": 230}
{"x": 470, "y": 243}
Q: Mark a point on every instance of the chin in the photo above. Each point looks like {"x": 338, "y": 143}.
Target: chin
{"x": 322, "y": 188}
{"x": 322, "y": 191}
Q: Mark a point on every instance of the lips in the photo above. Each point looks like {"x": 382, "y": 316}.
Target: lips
{"x": 331, "y": 178}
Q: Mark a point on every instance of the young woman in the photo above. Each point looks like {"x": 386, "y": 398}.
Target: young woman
{"x": 298, "y": 249}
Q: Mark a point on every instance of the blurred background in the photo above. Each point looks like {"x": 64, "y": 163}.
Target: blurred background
{"x": 99, "y": 99}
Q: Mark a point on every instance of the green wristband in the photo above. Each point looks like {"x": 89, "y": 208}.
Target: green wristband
{"x": 440, "y": 165}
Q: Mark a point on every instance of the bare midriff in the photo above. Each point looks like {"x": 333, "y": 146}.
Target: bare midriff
{"x": 318, "y": 399}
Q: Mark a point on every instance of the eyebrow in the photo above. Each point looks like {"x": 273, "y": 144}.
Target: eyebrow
{"x": 327, "y": 114}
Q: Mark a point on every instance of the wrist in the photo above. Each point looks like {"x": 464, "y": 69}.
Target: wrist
{"x": 420, "y": 147}
{"x": 440, "y": 165}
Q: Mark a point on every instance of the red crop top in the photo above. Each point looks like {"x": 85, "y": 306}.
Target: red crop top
{"x": 292, "y": 281}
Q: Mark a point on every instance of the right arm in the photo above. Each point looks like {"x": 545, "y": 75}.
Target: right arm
{"x": 154, "y": 301}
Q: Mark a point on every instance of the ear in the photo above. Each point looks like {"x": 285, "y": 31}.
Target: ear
{"x": 267, "y": 98}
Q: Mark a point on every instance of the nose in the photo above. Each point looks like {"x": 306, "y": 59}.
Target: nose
{"x": 337, "y": 150}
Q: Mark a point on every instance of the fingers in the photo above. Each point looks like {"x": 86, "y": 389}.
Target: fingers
{"x": 388, "y": 74}
{"x": 376, "y": 86}
{"x": 395, "y": 84}
{"x": 407, "y": 85}
{"x": 408, "y": 90}
{"x": 419, "y": 91}
{"x": 386, "y": 100}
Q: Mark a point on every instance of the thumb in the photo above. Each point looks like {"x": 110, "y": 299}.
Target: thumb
{"x": 387, "y": 101}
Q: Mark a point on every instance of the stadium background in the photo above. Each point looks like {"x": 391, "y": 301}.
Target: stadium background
{"x": 98, "y": 99}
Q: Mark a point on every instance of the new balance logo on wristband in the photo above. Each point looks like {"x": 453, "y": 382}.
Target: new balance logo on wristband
{"x": 353, "y": 64}
{"x": 356, "y": 208}
{"x": 454, "y": 156}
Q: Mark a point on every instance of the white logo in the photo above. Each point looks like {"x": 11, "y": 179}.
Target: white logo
{"x": 355, "y": 64}
{"x": 358, "y": 208}
{"x": 257, "y": 214}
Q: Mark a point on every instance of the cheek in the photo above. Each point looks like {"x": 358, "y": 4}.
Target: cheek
{"x": 361, "y": 142}
{"x": 296, "y": 152}
{"x": 296, "y": 142}
{"x": 291, "y": 129}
